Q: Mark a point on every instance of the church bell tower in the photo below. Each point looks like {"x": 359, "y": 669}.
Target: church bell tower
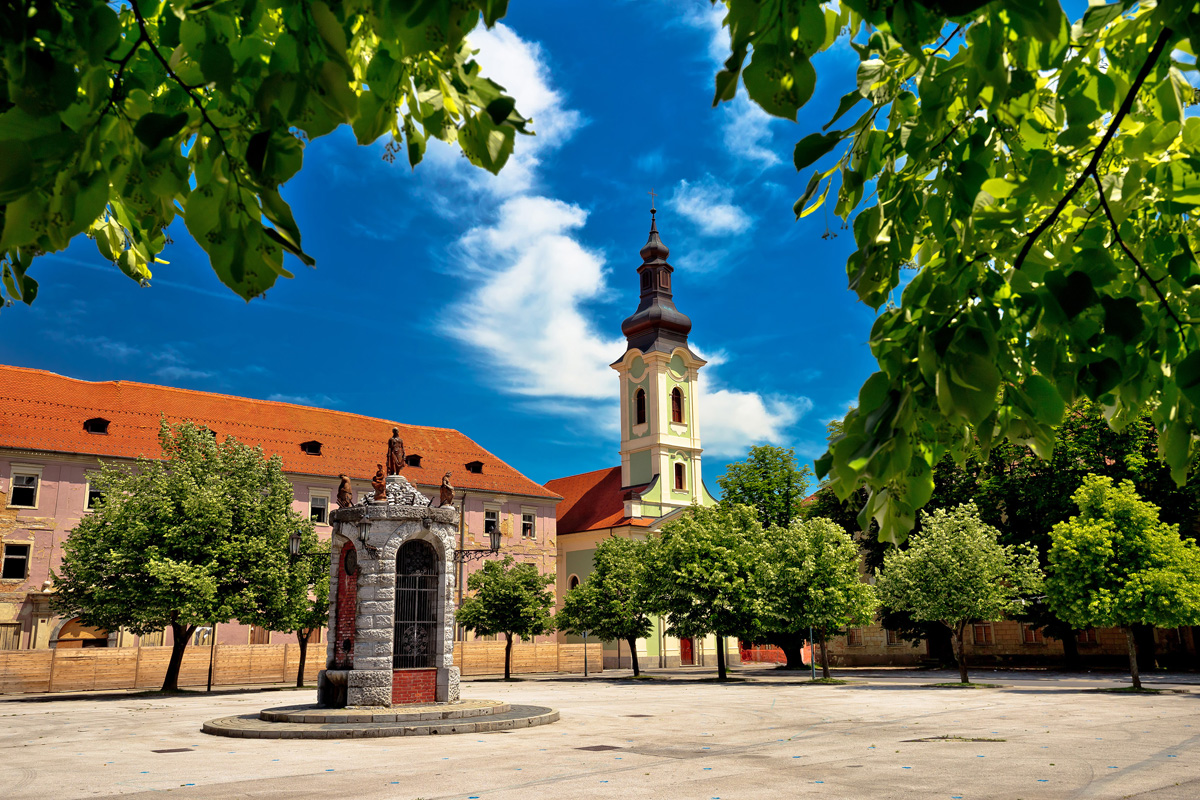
{"x": 660, "y": 430}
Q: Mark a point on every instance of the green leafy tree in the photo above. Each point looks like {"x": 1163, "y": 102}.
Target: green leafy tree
{"x": 117, "y": 117}
{"x": 300, "y": 602}
{"x": 770, "y": 482}
{"x": 197, "y": 538}
{"x": 611, "y": 603}
{"x": 511, "y": 599}
{"x": 1116, "y": 564}
{"x": 810, "y": 578}
{"x": 701, "y": 574}
{"x": 956, "y": 572}
{"x": 1039, "y": 175}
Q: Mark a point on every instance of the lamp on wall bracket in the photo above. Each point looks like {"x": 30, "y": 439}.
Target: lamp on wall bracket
{"x": 364, "y": 533}
{"x": 463, "y": 556}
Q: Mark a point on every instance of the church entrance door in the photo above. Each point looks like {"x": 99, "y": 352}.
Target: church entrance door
{"x": 686, "y": 659}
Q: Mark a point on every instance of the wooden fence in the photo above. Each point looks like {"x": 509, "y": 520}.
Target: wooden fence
{"x": 91, "y": 668}
{"x": 487, "y": 658}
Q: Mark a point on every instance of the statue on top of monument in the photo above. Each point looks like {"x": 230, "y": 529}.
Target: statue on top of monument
{"x": 379, "y": 484}
{"x": 345, "y": 495}
{"x": 395, "y": 453}
{"x": 447, "y": 498}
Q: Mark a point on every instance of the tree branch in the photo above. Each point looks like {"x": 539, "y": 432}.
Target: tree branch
{"x": 1112, "y": 223}
{"x": 1160, "y": 44}
{"x": 946, "y": 41}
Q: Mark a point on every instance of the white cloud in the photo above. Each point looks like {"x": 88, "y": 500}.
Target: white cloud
{"x": 734, "y": 420}
{"x": 710, "y": 207}
{"x": 526, "y": 313}
{"x": 519, "y": 66}
{"x": 746, "y": 131}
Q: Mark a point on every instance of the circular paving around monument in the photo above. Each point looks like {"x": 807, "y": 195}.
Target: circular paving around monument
{"x": 250, "y": 726}
{"x": 313, "y": 715}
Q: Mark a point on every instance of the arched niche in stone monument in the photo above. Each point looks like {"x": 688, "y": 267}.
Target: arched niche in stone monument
{"x": 414, "y": 642}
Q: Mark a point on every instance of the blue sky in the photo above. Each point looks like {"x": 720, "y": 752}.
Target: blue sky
{"x": 449, "y": 297}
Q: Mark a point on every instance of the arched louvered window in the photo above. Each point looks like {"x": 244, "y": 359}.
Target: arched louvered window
{"x": 639, "y": 403}
{"x": 676, "y": 405}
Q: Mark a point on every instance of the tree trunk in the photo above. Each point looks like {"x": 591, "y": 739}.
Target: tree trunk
{"x": 633, "y": 655}
{"x": 1147, "y": 647}
{"x": 721, "y": 675}
{"x": 960, "y": 653}
{"x": 1133, "y": 658}
{"x": 180, "y": 634}
{"x": 1071, "y": 658}
{"x": 302, "y": 638}
{"x": 507, "y": 655}
{"x": 824, "y": 655}
{"x": 792, "y": 645}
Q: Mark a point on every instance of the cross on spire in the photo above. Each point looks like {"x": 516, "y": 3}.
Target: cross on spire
{"x": 653, "y": 197}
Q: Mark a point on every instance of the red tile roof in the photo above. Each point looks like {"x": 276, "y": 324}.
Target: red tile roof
{"x": 43, "y": 411}
{"x": 593, "y": 500}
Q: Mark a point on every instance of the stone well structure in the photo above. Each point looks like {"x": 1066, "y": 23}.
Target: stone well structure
{"x": 391, "y": 604}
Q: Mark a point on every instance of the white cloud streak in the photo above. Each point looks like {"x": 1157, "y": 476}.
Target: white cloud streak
{"x": 709, "y": 206}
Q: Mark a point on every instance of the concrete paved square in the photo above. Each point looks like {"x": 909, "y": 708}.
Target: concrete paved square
{"x": 674, "y": 735}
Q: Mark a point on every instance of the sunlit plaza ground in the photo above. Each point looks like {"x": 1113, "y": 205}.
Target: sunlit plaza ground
{"x": 676, "y": 734}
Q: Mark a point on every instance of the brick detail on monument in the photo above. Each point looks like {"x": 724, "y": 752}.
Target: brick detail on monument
{"x": 414, "y": 686}
{"x": 347, "y": 608}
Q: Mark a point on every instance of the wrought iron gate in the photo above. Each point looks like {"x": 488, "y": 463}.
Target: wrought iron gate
{"x": 414, "y": 637}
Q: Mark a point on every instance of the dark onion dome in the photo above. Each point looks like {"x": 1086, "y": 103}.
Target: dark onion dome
{"x": 657, "y": 324}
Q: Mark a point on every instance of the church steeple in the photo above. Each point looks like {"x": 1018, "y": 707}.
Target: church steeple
{"x": 657, "y": 325}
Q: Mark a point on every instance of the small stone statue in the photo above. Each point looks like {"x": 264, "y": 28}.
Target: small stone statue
{"x": 345, "y": 495}
{"x": 379, "y": 484}
{"x": 447, "y": 498}
{"x": 395, "y": 453}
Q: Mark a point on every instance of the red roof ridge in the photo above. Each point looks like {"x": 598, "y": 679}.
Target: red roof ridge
{"x": 222, "y": 395}
{"x": 580, "y": 475}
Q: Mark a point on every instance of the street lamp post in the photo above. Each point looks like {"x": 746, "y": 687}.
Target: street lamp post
{"x": 463, "y": 556}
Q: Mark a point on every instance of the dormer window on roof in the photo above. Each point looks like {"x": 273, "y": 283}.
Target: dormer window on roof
{"x": 96, "y": 425}
{"x": 475, "y": 467}
{"x": 313, "y": 448}
{"x": 413, "y": 460}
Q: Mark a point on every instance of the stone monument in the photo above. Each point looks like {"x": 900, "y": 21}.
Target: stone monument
{"x": 391, "y": 602}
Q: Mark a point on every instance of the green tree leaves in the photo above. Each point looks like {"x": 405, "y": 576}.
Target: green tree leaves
{"x": 196, "y": 538}
{"x": 509, "y": 598}
{"x": 114, "y": 119}
{"x": 770, "y": 482}
{"x": 1040, "y": 177}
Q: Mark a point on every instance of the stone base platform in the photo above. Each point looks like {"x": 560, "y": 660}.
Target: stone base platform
{"x": 315, "y": 715}
{"x": 480, "y": 717}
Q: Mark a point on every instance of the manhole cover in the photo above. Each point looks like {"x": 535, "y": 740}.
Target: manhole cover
{"x": 174, "y": 750}
{"x": 598, "y": 747}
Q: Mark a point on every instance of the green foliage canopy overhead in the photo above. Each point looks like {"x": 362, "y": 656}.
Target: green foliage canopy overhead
{"x": 1040, "y": 176}
{"x": 768, "y": 481}
{"x": 117, "y": 117}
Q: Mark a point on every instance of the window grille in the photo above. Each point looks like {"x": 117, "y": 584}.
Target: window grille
{"x": 983, "y": 633}
{"x": 414, "y": 637}
{"x": 854, "y": 637}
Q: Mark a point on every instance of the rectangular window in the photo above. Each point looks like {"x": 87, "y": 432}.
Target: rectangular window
{"x": 1087, "y": 636}
{"x": 318, "y": 509}
{"x": 94, "y": 498}
{"x": 854, "y": 637}
{"x": 16, "y": 562}
{"x": 24, "y": 490}
{"x": 202, "y": 637}
{"x": 10, "y": 636}
{"x": 1031, "y": 635}
{"x": 982, "y": 631}
{"x": 893, "y": 637}
{"x": 259, "y": 635}
{"x": 528, "y": 529}
{"x": 680, "y": 478}
{"x": 491, "y": 520}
